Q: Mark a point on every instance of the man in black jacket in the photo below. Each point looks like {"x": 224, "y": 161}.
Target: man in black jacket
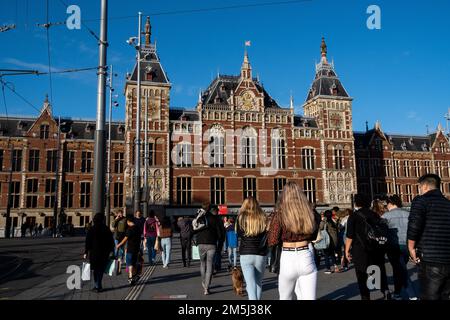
{"x": 185, "y": 225}
{"x": 207, "y": 239}
{"x": 429, "y": 238}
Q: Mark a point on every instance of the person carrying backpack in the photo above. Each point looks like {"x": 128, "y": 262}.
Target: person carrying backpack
{"x": 365, "y": 244}
{"x": 150, "y": 234}
{"x": 207, "y": 233}
{"x": 331, "y": 228}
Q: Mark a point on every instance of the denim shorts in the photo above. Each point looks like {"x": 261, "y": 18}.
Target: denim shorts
{"x": 131, "y": 259}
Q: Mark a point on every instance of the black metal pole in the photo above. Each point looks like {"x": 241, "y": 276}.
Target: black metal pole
{"x": 9, "y": 204}
{"x": 55, "y": 204}
{"x": 98, "y": 194}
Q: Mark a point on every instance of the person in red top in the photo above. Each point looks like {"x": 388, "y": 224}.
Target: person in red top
{"x": 295, "y": 225}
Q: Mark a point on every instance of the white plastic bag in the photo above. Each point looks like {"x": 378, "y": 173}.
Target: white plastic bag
{"x": 86, "y": 271}
{"x": 111, "y": 267}
{"x": 195, "y": 253}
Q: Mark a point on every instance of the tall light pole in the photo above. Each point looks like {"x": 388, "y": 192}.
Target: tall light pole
{"x": 108, "y": 182}
{"x": 146, "y": 159}
{"x": 137, "y": 158}
{"x": 55, "y": 204}
{"x": 98, "y": 194}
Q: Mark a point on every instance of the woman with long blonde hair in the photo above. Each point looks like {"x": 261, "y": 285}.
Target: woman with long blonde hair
{"x": 251, "y": 228}
{"x": 295, "y": 225}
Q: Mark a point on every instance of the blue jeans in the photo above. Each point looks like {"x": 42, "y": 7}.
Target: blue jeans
{"x": 98, "y": 277}
{"x": 232, "y": 253}
{"x": 151, "y": 252}
{"x": 166, "y": 245}
{"x": 119, "y": 253}
{"x": 253, "y": 267}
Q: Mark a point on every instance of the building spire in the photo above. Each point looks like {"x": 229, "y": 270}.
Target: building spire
{"x": 148, "y": 31}
{"x": 246, "y": 69}
{"x": 292, "y": 102}
{"x": 323, "y": 51}
{"x": 46, "y": 105}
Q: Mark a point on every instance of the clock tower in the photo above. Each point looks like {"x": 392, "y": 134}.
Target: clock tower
{"x": 155, "y": 98}
{"x": 329, "y": 103}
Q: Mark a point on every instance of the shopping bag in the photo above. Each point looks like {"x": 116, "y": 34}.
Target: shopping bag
{"x": 86, "y": 271}
{"x": 195, "y": 253}
{"x": 111, "y": 267}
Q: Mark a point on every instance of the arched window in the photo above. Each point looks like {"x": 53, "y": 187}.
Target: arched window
{"x": 183, "y": 154}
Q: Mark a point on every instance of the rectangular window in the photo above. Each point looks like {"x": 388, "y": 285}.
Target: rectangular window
{"x": 151, "y": 154}
{"x": 396, "y": 168}
{"x": 51, "y": 160}
{"x": 118, "y": 194}
{"x": 248, "y": 152}
{"x": 184, "y": 155}
{"x": 184, "y": 190}
{"x": 33, "y": 160}
{"x": 427, "y": 167}
{"x": 217, "y": 191}
{"x": 278, "y": 153}
{"x": 67, "y": 200}
{"x": 50, "y": 189}
{"x": 416, "y": 168}
{"x": 86, "y": 161}
{"x": 409, "y": 195}
{"x": 278, "y": 185}
{"x": 406, "y": 171}
{"x": 1, "y": 160}
{"x": 398, "y": 190}
{"x": 309, "y": 187}
{"x": 85, "y": 194}
{"x": 32, "y": 189}
{"x": 15, "y": 194}
{"x": 69, "y": 161}
{"x": 44, "y": 132}
{"x": 308, "y": 159}
{"x": 439, "y": 168}
{"x": 118, "y": 162}
{"x": 389, "y": 188}
{"x": 338, "y": 159}
{"x": 216, "y": 147}
{"x": 17, "y": 160}
{"x": 249, "y": 188}
{"x": 387, "y": 168}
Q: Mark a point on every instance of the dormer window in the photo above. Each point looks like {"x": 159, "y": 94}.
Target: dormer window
{"x": 89, "y": 127}
{"x": 403, "y": 146}
{"x": 148, "y": 73}
{"x": 424, "y": 147}
{"x": 21, "y": 125}
{"x": 411, "y": 142}
{"x": 44, "y": 132}
{"x": 121, "y": 129}
{"x": 333, "y": 89}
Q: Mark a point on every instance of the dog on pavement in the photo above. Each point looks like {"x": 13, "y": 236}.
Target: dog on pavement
{"x": 238, "y": 281}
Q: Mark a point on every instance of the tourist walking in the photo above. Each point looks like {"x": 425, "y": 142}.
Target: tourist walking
{"x": 231, "y": 243}
{"x": 295, "y": 225}
{"x": 397, "y": 251}
{"x": 150, "y": 233}
{"x": 98, "y": 247}
{"x": 358, "y": 248}
{"x": 207, "y": 231}
{"x": 342, "y": 236}
{"x": 185, "y": 226}
{"x": 132, "y": 240}
{"x": 429, "y": 238}
{"x": 252, "y": 231}
{"x": 120, "y": 227}
{"x": 165, "y": 234}
{"x": 331, "y": 227}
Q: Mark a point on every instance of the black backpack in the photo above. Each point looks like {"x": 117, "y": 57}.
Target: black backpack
{"x": 376, "y": 232}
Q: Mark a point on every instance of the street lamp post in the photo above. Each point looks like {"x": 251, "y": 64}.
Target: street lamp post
{"x": 108, "y": 182}
{"x": 137, "y": 172}
{"x": 55, "y": 204}
{"x": 146, "y": 159}
{"x": 98, "y": 194}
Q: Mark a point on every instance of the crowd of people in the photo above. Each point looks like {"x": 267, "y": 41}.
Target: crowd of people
{"x": 292, "y": 240}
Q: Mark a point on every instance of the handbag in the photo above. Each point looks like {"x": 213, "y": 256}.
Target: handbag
{"x": 195, "y": 253}
{"x": 86, "y": 271}
{"x": 324, "y": 241}
{"x": 111, "y": 267}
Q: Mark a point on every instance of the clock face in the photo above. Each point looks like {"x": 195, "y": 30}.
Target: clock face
{"x": 247, "y": 100}
{"x": 336, "y": 120}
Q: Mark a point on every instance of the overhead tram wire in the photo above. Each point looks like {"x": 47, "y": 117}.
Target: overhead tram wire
{"x": 6, "y": 84}
{"x": 14, "y": 72}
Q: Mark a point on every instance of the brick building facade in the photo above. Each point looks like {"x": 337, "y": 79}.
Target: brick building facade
{"x": 237, "y": 141}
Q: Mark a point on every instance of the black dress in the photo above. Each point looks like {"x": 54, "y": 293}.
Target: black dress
{"x": 99, "y": 245}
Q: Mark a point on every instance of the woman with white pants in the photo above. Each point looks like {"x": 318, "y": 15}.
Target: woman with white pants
{"x": 295, "y": 225}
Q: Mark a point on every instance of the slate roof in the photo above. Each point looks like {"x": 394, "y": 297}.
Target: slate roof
{"x": 326, "y": 83}
{"x": 400, "y": 142}
{"x": 75, "y": 129}
{"x": 219, "y": 91}
{"x": 176, "y": 114}
{"x": 300, "y": 121}
{"x": 150, "y": 63}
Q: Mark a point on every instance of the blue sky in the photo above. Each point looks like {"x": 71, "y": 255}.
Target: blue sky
{"x": 399, "y": 75}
